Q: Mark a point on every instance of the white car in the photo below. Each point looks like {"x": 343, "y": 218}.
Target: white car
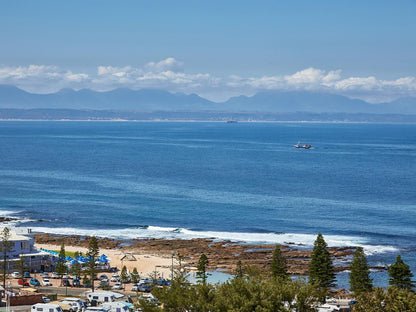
{"x": 45, "y": 299}
{"x": 45, "y": 275}
{"x": 46, "y": 282}
{"x": 117, "y": 285}
{"x": 54, "y": 275}
{"x": 115, "y": 278}
{"x": 16, "y": 275}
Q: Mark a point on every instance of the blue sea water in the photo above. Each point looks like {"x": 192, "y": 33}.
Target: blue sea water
{"x": 241, "y": 181}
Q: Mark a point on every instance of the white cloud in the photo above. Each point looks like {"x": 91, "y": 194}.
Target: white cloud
{"x": 168, "y": 74}
{"x": 169, "y": 64}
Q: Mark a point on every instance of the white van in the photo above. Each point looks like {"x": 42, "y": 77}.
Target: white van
{"x": 77, "y": 305}
{"x": 45, "y": 307}
{"x": 115, "y": 306}
{"x": 101, "y": 296}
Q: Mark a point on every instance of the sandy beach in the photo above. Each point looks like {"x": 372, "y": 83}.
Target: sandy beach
{"x": 145, "y": 263}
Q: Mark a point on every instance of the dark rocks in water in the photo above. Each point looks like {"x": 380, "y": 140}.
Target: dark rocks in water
{"x": 7, "y": 219}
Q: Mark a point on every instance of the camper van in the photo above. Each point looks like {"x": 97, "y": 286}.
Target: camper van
{"x": 115, "y": 306}
{"x": 45, "y": 307}
{"x": 101, "y": 296}
{"x": 77, "y": 304}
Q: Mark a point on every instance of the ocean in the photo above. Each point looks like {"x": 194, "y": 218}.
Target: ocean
{"x": 238, "y": 181}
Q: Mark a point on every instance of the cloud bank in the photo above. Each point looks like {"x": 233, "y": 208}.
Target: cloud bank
{"x": 169, "y": 75}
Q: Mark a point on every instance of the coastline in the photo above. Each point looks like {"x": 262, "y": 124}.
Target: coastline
{"x": 222, "y": 255}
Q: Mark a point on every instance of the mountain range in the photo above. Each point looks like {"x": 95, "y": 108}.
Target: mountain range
{"x": 159, "y": 100}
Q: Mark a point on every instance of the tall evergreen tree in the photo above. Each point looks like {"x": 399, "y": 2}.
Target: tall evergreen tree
{"x": 400, "y": 275}
{"x": 202, "y": 274}
{"x": 124, "y": 275}
{"x": 278, "y": 265}
{"x": 6, "y": 247}
{"x": 92, "y": 255}
{"x": 60, "y": 266}
{"x": 360, "y": 280}
{"x": 321, "y": 269}
{"x": 239, "y": 273}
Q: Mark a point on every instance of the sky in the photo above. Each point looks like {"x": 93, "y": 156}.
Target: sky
{"x": 216, "y": 49}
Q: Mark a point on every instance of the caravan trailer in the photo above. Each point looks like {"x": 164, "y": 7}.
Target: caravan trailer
{"x": 45, "y": 307}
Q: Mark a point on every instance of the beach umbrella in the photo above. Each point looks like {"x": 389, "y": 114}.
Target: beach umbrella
{"x": 68, "y": 258}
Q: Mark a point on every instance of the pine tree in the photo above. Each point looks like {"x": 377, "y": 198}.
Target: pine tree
{"x": 278, "y": 265}
{"x": 400, "y": 275}
{"x": 360, "y": 280}
{"x": 202, "y": 274}
{"x": 123, "y": 275}
{"x": 239, "y": 270}
{"x": 5, "y": 247}
{"x": 92, "y": 254}
{"x": 135, "y": 277}
{"x": 61, "y": 268}
{"x": 321, "y": 270}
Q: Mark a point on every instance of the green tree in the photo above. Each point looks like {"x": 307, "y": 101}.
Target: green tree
{"x": 400, "y": 275}
{"x": 123, "y": 275}
{"x": 202, "y": 274}
{"x": 278, "y": 265}
{"x": 239, "y": 272}
{"x": 178, "y": 297}
{"x": 5, "y": 247}
{"x": 92, "y": 254}
{"x": 61, "y": 268}
{"x": 380, "y": 300}
{"x": 321, "y": 269}
{"x": 135, "y": 277}
{"x": 360, "y": 280}
{"x": 21, "y": 266}
{"x": 76, "y": 268}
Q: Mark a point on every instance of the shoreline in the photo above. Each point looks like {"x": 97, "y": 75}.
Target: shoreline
{"x": 222, "y": 255}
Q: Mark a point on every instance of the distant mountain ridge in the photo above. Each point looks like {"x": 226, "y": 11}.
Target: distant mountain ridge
{"x": 161, "y": 100}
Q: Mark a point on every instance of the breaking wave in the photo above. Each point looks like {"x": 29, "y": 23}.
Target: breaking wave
{"x": 292, "y": 239}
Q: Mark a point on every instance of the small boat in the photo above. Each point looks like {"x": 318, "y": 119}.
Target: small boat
{"x": 303, "y": 146}
{"x": 232, "y": 121}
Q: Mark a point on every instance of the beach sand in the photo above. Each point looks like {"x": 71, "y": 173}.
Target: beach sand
{"x": 145, "y": 263}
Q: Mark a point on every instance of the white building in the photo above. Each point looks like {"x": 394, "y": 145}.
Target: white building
{"x": 22, "y": 246}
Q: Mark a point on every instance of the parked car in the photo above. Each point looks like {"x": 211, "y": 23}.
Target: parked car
{"x": 117, "y": 285}
{"x": 103, "y": 276}
{"x": 46, "y": 282}
{"x": 65, "y": 282}
{"x": 34, "y": 282}
{"x": 22, "y": 282}
{"x": 45, "y": 299}
{"x": 26, "y": 274}
{"x": 76, "y": 282}
{"x": 16, "y": 275}
{"x": 115, "y": 278}
{"x": 45, "y": 275}
{"x": 54, "y": 275}
{"x": 141, "y": 287}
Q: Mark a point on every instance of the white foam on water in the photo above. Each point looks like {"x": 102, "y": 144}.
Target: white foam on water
{"x": 304, "y": 240}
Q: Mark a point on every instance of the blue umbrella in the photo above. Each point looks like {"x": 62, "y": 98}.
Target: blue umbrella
{"x": 68, "y": 258}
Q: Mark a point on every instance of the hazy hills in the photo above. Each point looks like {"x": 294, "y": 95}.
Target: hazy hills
{"x": 159, "y": 100}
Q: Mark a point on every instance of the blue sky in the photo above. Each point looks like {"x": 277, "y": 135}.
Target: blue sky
{"x": 364, "y": 49}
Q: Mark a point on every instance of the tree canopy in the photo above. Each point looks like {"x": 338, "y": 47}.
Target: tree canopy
{"x": 360, "y": 280}
{"x": 321, "y": 269}
{"x": 400, "y": 275}
{"x": 278, "y": 265}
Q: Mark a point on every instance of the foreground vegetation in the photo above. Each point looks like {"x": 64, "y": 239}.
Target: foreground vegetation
{"x": 253, "y": 289}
